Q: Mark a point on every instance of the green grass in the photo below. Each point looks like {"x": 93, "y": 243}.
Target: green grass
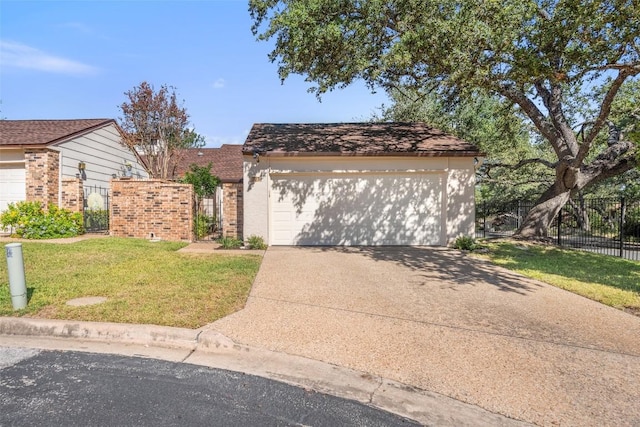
{"x": 145, "y": 282}
{"x": 609, "y": 280}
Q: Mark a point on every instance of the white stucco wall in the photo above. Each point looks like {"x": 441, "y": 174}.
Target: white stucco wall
{"x": 458, "y": 181}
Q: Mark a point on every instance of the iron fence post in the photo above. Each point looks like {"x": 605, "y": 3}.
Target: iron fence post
{"x": 622, "y": 212}
{"x": 559, "y": 239}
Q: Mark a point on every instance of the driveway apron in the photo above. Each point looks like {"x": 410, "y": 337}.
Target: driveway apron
{"x": 446, "y": 322}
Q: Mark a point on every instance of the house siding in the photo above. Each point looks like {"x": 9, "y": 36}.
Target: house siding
{"x": 103, "y": 153}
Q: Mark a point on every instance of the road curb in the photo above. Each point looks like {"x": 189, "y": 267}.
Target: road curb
{"x": 207, "y": 347}
{"x": 146, "y": 335}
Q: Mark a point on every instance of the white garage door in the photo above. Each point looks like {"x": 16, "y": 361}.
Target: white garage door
{"x": 357, "y": 209}
{"x": 12, "y": 185}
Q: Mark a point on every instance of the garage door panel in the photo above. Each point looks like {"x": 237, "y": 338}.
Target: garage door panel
{"x": 12, "y": 187}
{"x": 358, "y": 210}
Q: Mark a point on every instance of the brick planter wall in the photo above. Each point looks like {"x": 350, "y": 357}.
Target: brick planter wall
{"x": 72, "y": 194}
{"x": 232, "y": 210}
{"x": 151, "y": 209}
{"x": 42, "y": 168}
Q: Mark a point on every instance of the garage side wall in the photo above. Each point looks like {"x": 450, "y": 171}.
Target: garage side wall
{"x": 460, "y": 198}
{"x": 42, "y": 174}
{"x": 151, "y": 209}
{"x": 256, "y": 198}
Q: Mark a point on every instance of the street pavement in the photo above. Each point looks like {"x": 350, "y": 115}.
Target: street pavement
{"x": 56, "y": 388}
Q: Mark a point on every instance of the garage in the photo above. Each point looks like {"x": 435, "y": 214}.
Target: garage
{"x": 357, "y": 184}
{"x": 369, "y": 209}
{"x": 13, "y": 188}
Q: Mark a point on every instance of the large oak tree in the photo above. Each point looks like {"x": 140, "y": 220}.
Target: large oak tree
{"x": 546, "y": 57}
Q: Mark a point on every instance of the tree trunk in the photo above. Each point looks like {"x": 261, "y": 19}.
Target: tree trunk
{"x": 540, "y": 217}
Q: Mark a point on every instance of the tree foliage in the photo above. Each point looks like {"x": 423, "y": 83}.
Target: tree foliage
{"x": 204, "y": 183}
{"x": 156, "y": 126}
{"x": 548, "y": 57}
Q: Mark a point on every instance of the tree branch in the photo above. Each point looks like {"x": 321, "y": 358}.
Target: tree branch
{"x": 533, "y": 112}
{"x": 552, "y": 99}
{"x": 603, "y": 114}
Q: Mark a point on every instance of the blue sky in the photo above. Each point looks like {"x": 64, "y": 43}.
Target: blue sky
{"x": 75, "y": 59}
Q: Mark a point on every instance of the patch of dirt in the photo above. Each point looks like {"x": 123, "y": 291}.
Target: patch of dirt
{"x": 632, "y": 310}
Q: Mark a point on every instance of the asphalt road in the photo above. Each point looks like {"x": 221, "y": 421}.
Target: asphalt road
{"x": 53, "y": 388}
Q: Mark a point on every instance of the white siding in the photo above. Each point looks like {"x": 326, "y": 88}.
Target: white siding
{"x": 104, "y": 155}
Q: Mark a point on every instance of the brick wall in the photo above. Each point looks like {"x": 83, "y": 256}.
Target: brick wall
{"x": 72, "y": 194}
{"x": 151, "y": 209}
{"x": 232, "y": 210}
{"x": 42, "y": 167}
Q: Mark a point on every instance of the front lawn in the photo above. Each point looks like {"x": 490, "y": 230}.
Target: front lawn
{"x": 145, "y": 282}
{"x": 609, "y": 280}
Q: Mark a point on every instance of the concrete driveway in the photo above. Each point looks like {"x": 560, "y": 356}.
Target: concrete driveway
{"x": 445, "y": 322}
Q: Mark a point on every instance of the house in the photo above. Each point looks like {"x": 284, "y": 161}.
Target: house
{"x": 357, "y": 184}
{"x": 53, "y": 160}
{"x": 226, "y": 163}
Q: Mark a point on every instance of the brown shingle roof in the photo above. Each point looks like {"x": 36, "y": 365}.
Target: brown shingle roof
{"x": 226, "y": 161}
{"x": 44, "y": 132}
{"x": 365, "y": 139}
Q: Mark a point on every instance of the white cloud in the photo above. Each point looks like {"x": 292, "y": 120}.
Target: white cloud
{"x": 77, "y": 26}
{"x": 219, "y": 84}
{"x": 22, "y": 56}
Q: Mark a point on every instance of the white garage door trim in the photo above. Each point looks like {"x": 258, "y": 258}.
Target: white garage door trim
{"x": 13, "y": 179}
{"x": 365, "y": 208}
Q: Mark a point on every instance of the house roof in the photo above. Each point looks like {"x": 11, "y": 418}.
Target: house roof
{"x": 21, "y": 133}
{"x": 226, "y": 161}
{"x": 354, "y": 139}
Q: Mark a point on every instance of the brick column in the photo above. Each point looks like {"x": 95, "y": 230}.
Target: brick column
{"x": 72, "y": 194}
{"x": 232, "y": 208}
{"x": 42, "y": 167}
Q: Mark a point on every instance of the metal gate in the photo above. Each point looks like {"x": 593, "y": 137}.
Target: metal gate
{"x": 96, "y": 209}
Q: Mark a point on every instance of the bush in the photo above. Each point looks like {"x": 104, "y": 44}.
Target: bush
{"x": 30, "y": 221}
{"x": 632, "y": 223}
{"x": 203, "y": 225}
{"x": 230, "y": 243}
{"x": 96, "y": 219}
{"x": 465, "y": 243}
{"x": 256, "y": 242}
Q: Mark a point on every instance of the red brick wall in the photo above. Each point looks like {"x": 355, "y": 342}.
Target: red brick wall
{"x": 72, "y": 194}
{"x": 232, "y": 210}
{"x": 151, "y": 209}
{"x": 42, "y": 167}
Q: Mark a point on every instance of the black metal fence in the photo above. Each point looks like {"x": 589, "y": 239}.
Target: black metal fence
{"x": 96, "y": 209}
{"x": 206, "y": 222}
{"x": 606, "y": 226}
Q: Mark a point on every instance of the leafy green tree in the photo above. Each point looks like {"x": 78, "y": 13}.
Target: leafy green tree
{"x": 545, "y": 56}
{"x": 204, "y": 183}
{"x": 156, "y": 126}
{"x": 495, "y": 126}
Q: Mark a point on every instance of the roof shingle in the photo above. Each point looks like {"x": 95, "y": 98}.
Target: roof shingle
{"x": 226, "y": 161}
{"x": 17, "y": 133}
{"x": 365, "y": 139}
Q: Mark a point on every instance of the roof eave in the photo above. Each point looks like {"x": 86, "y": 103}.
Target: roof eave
{"x": 465, "y": 153}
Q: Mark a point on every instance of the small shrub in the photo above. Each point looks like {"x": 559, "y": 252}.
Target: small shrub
{"x": 30, "y": 221}
{"x": 230, "y": 243}
{"x": 465, "y": 243}
{"x": 203, "y": 225}
{"x": 256, "y": 242}
{"x": 96, "y": 219}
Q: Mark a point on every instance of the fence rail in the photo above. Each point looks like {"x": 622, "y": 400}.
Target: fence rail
{"x": 606, "y": 226}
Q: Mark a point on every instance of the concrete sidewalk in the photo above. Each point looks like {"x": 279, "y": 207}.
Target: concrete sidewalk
{"x": 445, "y": 322}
